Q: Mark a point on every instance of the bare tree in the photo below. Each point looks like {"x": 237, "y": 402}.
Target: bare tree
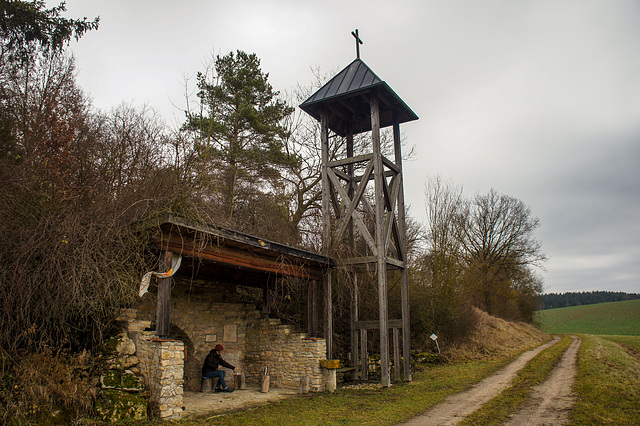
{"x": 498, "y": 243}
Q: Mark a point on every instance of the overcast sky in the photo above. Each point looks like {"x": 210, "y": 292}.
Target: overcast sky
{"x": 539, "y": 100}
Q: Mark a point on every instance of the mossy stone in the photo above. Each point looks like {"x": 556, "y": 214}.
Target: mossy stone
{"x": 114, "y": 379}
{"x": 120, "y": 406}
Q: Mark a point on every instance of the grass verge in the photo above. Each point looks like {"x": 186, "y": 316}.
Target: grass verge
{"x": 535, "y": 372}
{"x": 368, "y": 405}
{"x": 608, "y": 382}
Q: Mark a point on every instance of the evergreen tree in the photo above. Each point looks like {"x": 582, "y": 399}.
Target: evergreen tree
{"x": 240, "y": 134}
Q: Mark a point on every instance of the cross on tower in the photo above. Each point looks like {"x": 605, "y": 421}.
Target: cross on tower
{"x": 358, "y": 42}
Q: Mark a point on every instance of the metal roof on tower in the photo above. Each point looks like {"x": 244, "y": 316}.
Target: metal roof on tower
{"x": 347, "y": 100}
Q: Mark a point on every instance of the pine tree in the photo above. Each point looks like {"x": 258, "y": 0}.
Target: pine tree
{"x": 240, "y": 133}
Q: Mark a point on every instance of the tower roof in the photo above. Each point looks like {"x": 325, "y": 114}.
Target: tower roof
{"x": 347, "y": 100}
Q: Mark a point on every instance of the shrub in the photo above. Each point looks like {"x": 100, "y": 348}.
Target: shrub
{"x": 49, "y": 387}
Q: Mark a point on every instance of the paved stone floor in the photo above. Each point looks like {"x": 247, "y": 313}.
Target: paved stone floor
{"x": 211, "y": 404}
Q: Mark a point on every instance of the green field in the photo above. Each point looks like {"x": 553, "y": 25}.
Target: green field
{"x": 614, "y": 318}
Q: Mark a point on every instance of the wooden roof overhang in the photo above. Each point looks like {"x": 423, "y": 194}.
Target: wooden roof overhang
{"x": 212, "y": 253}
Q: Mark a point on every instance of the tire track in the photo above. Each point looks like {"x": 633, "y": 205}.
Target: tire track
{"x": 552, "y": 400}
{"x": 456, "y": 407}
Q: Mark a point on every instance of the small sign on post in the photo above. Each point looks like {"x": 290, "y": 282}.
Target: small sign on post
{"x": 435, "y": 339}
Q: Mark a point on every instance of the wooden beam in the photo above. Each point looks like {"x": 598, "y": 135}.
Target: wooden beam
{"x": 404, "y": 277}
{"x": 326, "y": 230}
{"x": 380, "y": 244}
{"x": 355, "y": 214}
{"x": 241, "y": 259}
{"x": 312, "y": 308}
{"x": 163, "y": 308}
{"x": 266, "y": 299}
{"x": 328, "y": 313}
{"x": 354, "y": 317}
{"x": 352, "y": 160}
{"x": 396, "y": 354}
{"x": 364, "y": 355}
{"x": 352, "y": 213}
{"x": 391, "y": 165}
{"x": 375, "y": 324}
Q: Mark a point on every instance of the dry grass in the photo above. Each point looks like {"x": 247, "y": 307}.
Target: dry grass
{"x": 494, "y": 337}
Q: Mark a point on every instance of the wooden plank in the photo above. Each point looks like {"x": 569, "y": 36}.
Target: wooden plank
{"x": 395, "y": 263}
{"x": 391, "y": 165}
{"x": 358, "y": 179}
{"x": 350, "y": 160}
{"x": 163, "y": 308}
{"x": 358, "y": 260}
{"x": 375, "y": 325}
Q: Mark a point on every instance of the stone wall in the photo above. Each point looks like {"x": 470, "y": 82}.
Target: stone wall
{"x": 287, "y": 355}
{"x": 203, "y": 316}
{"x": 201, "y": 320}
{"x": 161, "y": 365}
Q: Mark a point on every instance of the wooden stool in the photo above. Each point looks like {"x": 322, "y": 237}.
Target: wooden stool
{"x": 207, "y": 384}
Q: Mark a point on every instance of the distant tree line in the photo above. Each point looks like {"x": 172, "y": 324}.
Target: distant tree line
{"x": 563, "y": 300}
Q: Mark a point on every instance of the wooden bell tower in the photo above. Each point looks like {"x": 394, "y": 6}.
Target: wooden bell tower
{"x": 363, "y": 200}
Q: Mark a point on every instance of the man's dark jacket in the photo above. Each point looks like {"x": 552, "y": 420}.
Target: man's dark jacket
{"x": 213, "y": 360}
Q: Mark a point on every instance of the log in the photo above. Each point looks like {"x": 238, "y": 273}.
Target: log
{"x": 264, "y": 384}
{"x": 239, "y": 381}
{"x": 206, "y": 384}
{"x": 330, "y": 379}
{"x": 304, "y": 385}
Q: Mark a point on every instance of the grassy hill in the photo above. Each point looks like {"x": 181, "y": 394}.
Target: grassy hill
{"x": 617, "y": 318}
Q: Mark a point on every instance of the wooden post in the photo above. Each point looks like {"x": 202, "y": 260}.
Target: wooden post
{"x": 354, "y": 318}
{"x": 311, "y": 309}
{"x": 304, "y": 385}
{"x": 326, "y": 229}
{"x": 378, "y": 174}
{"x": 404, "y": 274}
{"x": 328, "y": 312}
{"x": 266, "y": 299}
{"x": 351, "y": 242}
{"x": 396, "y": 354}
{"x": 163, "y": 308}
{"x": 364, "y": 355}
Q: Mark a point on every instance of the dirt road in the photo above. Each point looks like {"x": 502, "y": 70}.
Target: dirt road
{"x": 455, "y": 408}
{"x": 551, "y": 401}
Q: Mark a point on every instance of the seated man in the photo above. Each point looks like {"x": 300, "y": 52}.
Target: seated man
{"x": 210, "y": 368}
